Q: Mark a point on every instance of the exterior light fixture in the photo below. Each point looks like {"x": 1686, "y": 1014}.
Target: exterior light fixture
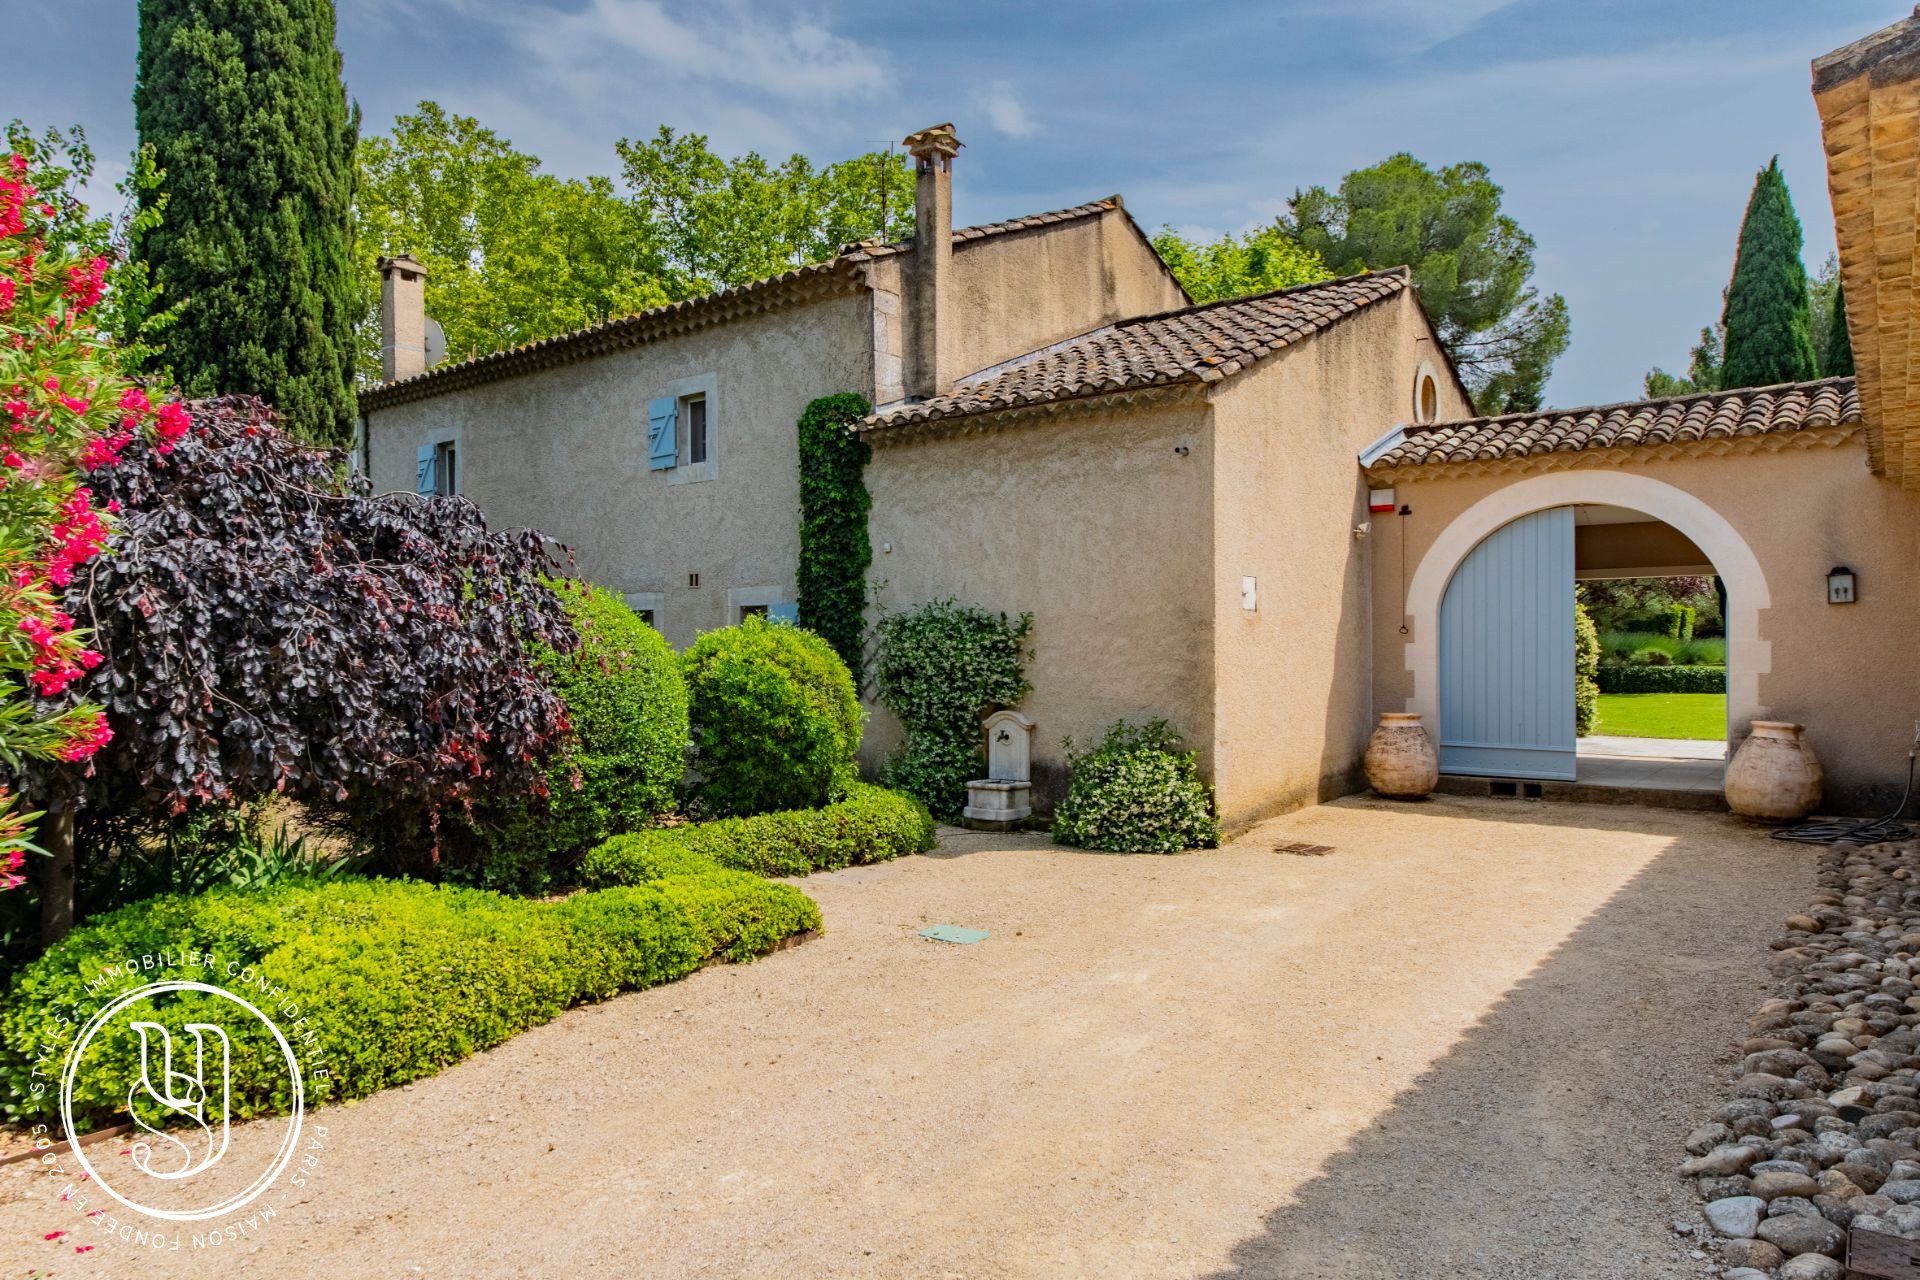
{"x": 1840, "y": 585}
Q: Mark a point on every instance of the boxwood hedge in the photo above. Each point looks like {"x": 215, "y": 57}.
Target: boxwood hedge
{"x": 395, "y": 979}
{"x": 871, "y": 825}
{"x": 1621, "y": 677}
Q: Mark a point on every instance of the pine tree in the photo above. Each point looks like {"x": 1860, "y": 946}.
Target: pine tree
{"x": 1767, "y": 308}
{"x": 1839, "y": 345}
{"x": 242, "y": 103}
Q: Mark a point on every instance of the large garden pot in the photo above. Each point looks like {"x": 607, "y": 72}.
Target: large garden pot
{"x": 1774, "y": 776}
{"x": 1401, "y": 762}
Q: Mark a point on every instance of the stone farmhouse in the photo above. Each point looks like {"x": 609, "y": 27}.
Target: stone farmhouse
{"x": 1266, "y": 520}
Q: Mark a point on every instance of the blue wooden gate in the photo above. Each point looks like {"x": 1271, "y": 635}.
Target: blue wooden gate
{"x": 1506, "y": 653}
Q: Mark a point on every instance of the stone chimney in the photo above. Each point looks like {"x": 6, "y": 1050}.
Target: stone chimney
{"x": 1868, "y": 95}
{"x": 403, "y": 318}
{"x": 930, "y": 319}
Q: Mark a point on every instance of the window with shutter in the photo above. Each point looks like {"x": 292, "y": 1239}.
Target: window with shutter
{"x": 784, "y": 613}
{"x": 425, "y": 479}
{"x": 661, "y": 445}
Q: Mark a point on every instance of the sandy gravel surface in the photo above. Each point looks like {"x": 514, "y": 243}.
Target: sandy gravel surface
{"x": 1466, "y": 1043}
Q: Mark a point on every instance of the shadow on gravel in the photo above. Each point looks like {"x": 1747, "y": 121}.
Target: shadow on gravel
{"x": 1542, "y": 1144}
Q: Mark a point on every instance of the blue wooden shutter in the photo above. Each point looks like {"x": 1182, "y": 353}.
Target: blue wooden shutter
{"x": 424, "y": 480}
{"x": 789, "y": 614}
{"x": 1506, "y": 654}
{"x": 660, "y": 432}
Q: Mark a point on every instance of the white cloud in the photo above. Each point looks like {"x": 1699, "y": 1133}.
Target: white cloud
{"x": 1000, "y": 102}
{"x": 729, "y": 44}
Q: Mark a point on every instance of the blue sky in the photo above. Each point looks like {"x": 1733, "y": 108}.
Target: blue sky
{"x": 1626, "y": 132}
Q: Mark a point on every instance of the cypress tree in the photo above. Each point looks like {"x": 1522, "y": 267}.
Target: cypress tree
{"x": 1839, "y": 345}
{"x": 1767, "y": 315}
{"x": 243, "y": 105}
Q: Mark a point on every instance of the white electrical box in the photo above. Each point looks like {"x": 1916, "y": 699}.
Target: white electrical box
{"x": 1840, "y": 586}
{"x": 1249, "y": 594}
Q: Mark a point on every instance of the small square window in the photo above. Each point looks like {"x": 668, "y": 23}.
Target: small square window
{"x": 646, "y": 616}
{"x": 752, "y": 611}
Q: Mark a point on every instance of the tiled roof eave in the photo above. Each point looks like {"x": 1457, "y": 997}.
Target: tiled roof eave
{"x": 1820, "y": 436}
{"x": 840, "y": 277}
{"x": 998, "y": 417}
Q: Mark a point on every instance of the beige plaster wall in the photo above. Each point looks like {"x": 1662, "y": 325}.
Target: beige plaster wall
{"x": 1845, "y": 671}
{"x": 1292, "y": 705}
{"x": 1017, "y": 292}
{"x": 565, "y": 451}
{"x": 1092, "y": 523}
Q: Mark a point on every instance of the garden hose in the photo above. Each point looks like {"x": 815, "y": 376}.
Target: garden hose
{"x": 1867, "y": 830}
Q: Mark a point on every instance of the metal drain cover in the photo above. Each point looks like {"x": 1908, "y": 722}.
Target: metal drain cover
{"x": 954, "y": 933}
{"x": 1303, "y": 849}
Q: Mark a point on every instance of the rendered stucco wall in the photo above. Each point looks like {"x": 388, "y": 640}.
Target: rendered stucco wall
{"x": 1845, "y": 671}
{"x": 1092, "y": 523}
{"x": 1293, "y": 701}
{"x": 1021, "y": 291}
{"x": 564, "y": 450}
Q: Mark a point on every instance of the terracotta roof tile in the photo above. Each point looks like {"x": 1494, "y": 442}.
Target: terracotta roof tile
{"x": 1200, "y": 344}
{"x": 836, "y": 273}
{"x": 1748, "y": 411}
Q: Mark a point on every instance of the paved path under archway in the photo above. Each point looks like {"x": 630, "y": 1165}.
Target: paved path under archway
{"x": 1464, "y": 1043}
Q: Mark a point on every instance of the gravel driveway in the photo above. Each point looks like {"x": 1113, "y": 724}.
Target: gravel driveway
{"x": 1465, "y": 1043}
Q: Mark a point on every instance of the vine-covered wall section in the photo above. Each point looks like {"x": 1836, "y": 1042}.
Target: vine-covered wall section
{"x": 834, "y": 503}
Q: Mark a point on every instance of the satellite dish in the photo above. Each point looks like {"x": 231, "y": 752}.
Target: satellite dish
{"x": 436, "y": 342}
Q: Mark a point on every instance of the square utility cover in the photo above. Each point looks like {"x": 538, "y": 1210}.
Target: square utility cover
{"x": 954, "y": 933}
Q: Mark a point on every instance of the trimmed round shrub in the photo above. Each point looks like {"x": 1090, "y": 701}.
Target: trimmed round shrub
{"x": 1137, "y": 792}
{"x": 775, "y": 719}
{"x": 624, "y": 752}
{"x": 397, "y": 978}
{"x": 871, "y": 825}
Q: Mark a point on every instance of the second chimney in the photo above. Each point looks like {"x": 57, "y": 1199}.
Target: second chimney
{"x": 403, "y": 318}
{"x": 930, "y": 359}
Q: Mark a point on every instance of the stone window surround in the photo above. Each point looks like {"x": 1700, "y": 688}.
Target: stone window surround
{"x": 701, "y": 384}
{"x": 453, "y": 436}
{"x": 650, "y": 601}
{"x": 739, "y": 598}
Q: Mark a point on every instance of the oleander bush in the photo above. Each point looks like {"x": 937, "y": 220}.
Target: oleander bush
{"x": 775, "y": 720}
{"x": 871, "y": 825}
{"x": 1138, "y": 791}
{"x": 619, "y": 762}
{"x": 1622, "y": 677}
{"x": 396, "y": 978}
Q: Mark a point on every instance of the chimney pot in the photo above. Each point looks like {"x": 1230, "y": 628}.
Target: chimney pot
{"x": 403, "y": 317}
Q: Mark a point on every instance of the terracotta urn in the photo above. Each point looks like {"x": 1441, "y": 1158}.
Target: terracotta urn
{"x": 1774, "y": 776}
{"x": 1401, "y": 762}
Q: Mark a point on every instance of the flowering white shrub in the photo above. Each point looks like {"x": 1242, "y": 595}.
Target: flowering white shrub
{"x": 1137, "y": 792}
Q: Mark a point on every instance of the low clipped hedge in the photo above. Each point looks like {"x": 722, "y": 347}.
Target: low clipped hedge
{"x": 871, "y": 825}
{"x": 397, "y": 979}
{"x": 1621, "y": 677}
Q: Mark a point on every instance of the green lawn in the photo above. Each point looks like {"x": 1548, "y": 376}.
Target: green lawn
{"x": 1663, "y": 715}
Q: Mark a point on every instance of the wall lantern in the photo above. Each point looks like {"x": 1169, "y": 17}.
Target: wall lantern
{"x": 1840, "y": 585}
